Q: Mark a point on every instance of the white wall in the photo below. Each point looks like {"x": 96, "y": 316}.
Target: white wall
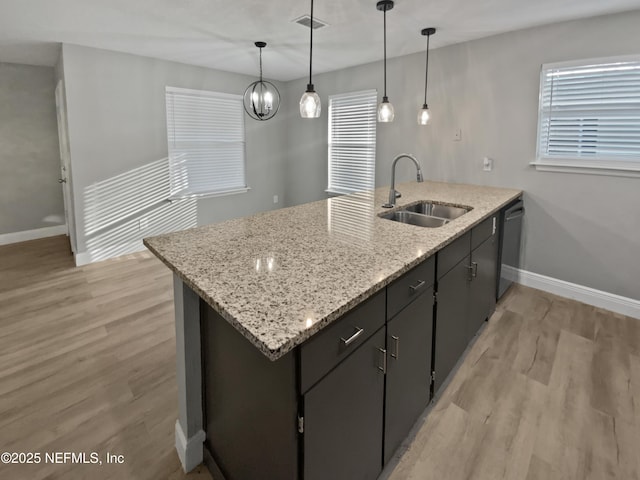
{"x": 579, "y": 228}
{"x": 30, "y": 195}
{"x": 117, "y": 127}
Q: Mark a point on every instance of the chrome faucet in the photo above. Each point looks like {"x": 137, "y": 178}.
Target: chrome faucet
{"x": 393, "y": 194}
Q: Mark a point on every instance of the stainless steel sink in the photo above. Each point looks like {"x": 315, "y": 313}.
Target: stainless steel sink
{"x": 412, "y": 218}
{"x": 437, "y": 210}
{"x": 426, "y": 214}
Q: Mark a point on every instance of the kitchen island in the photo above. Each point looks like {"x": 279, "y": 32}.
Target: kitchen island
{"x": 277, "y": 313}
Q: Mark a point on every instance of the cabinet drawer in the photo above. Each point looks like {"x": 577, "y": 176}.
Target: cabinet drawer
{"x": 451, "y": 255}
{"x": 483, "y": 230}
{"x": 409, "y": 287}
{"x": 329, "y": 347}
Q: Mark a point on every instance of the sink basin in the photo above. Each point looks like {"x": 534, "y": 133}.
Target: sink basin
{"x": 412, "y": 218}
{"x": 426, "y": 214}
{"x": 437, "y": 210}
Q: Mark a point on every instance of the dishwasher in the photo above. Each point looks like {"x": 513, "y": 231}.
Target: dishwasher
{"x": 509, "y": 250}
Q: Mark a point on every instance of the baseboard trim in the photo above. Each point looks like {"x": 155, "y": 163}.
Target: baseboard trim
{"x": 25, "y": 236}
{"x": 598, "y": 298}
{"x": 190, "y": 451}
{"x": 100, "y": 254}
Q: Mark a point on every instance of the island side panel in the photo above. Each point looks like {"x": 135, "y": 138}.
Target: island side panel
{"x": 250, "y": 405}
{"x": 189, "y": 430}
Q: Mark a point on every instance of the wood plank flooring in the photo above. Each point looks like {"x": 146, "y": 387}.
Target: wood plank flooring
{"x": 549, "y": 390}
{"x": 87, "y": 363}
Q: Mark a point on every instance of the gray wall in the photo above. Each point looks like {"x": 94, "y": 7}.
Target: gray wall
{"x": 30, "y": 195}
{"x": 117, "y": 127}
{"x": 579, "y": 228}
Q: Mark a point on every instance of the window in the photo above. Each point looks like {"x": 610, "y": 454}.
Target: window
{"x": 589, "y": 117}
{"x": 352, "y": 141}
{"x": 205, "y": 132}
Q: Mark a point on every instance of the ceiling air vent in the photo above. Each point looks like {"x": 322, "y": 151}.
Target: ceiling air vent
{"x": 305, "y": 21}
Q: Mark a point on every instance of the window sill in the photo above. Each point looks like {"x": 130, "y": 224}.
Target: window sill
{"x": 573, "y": 166}
{"x": 186, "y": 196}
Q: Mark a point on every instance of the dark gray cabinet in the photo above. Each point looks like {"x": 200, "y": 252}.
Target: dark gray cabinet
{"x": 466, "y": 285}
{"x": 409, "y": 338}
{"x": 451, "y": 321}
{"x": 343, "y": 417}
{"x": 482, "y": 293}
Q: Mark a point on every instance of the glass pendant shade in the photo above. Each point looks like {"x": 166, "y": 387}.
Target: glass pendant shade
{"x": 423, "y": 115}
{"x": 386, "y": 112}
{"x": 261, "y": 98}
{"x": 310, "y": 105}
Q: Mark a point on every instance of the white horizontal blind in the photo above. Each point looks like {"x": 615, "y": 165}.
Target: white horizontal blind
{"x": 590, "y": 111}
{"x": 205, "y": 132}
{"x": 352, "y": 141}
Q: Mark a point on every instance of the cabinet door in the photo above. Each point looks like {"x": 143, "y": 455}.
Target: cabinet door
{"x": 451, "y": 320}
{"x": 483, "y": 286}
{"x": 343, "y": 418}
{"x": 409, "y": 369}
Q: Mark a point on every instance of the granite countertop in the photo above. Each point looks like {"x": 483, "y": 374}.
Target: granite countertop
{"x": 281, "y": 276}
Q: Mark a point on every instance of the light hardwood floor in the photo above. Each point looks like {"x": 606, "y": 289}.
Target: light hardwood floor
{"x": 549, "y": 390}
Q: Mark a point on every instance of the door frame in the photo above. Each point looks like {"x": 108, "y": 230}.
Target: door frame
{"x": 65, "y": 164}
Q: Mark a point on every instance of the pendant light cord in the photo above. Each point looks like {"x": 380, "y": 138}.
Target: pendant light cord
{"x": 311, "y": 45}
{"x": 384, "y": 13}
{"x": 426, "y": 75}
{"x": 260, "y": 64}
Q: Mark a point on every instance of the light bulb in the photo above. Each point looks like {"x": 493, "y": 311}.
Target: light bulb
{"x": 268, "y": 101}
{"x": 310, "y": 105}
{"x": 385, "y": 111}
{"x": 424, "y": 115}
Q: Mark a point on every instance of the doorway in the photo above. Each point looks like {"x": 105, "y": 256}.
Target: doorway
{"x": 65, "y": 164}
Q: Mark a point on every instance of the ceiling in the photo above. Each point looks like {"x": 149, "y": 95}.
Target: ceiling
{"x": 220, "y": 34}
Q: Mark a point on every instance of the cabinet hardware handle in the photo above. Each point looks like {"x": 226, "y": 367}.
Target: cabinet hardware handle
{"x": 417, "y": 286}
{"x": 383, "y": 368}
{"x": 353, "y": 337}
{"x": 473, "y": 270}
{"x": 515, "y": 214}
{"x": 396, "y": 341}
{"x": 470, "y": 269}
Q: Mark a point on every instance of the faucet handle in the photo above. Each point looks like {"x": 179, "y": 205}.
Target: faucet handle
{"x": 398, "y": 194}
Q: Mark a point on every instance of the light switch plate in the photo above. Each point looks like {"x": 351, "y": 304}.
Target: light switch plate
{"x": 487, "y": 164}
{"x": 457, "y": 135}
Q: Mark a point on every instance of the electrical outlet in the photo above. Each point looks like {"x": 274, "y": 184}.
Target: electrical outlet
{"x": 457, "y": 135}
{"x": 487, "y": 164}
{"x": 275, "y": 199}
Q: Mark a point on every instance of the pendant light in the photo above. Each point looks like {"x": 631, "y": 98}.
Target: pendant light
{"x": 261, "y": 98}
{"x": 423, "y": 114}
{"x": 310, "y": 104}
{"x": 385, "y": 109}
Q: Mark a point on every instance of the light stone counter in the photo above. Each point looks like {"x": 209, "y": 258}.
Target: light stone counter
{"x": 281, "y": 276}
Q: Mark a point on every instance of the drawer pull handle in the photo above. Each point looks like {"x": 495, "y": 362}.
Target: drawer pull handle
{"x": 383, "y": 368}
{"x": 353, "y": 337}
{"x": 417, "y": 286}
{"x": 473, "y": 270}
{"x": 396, "y": 347}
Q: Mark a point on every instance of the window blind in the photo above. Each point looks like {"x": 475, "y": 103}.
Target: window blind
{"x": 352, "y": 141}
{"x": 590, "y": 111}
{"x": 205, "y": 132}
